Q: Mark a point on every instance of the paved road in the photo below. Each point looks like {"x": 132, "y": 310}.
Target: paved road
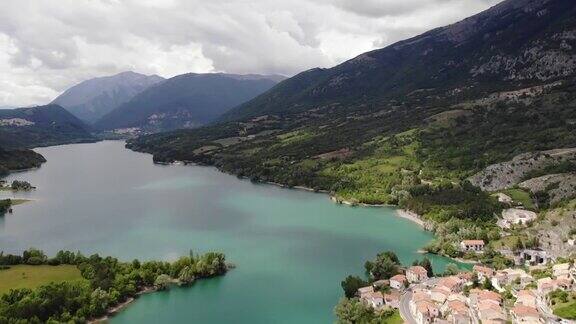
{"x": 407, "y": 296}
{"x": 405, "y": 308}
{"x": 549, "y": 317}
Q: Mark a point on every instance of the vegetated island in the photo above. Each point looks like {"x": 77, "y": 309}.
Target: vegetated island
{"x": 6, "y": 204}
{"x": 71, "y": 287}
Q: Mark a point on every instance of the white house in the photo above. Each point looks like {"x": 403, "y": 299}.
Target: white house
{"x": 398, "y": 281}
{"x": 373, "y": 299}
{"x": 472, "y": 246}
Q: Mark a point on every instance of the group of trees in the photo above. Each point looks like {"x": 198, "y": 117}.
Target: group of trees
{"x": 5, "y": 205}
{"x": 448, "y": 201}
{"x": 384, "y": 266}
{"x": 19, "y": 185}
{"x": 108, "y": 282}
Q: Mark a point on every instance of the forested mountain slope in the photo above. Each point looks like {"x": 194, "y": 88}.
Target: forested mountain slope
{"x": 40, "y": 126}
{"x": 516, "y": 44}
{"x": 186, "y": 101}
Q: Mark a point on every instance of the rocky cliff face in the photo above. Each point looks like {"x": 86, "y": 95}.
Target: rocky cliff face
{"x": 507, "y": 174}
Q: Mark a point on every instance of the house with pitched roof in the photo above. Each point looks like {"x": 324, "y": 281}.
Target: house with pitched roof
{"x": 416, "y": 274}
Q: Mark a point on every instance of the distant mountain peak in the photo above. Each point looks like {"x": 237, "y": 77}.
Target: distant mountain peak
{"x": 93, "y": 98}
{"x": 186, "y": 101}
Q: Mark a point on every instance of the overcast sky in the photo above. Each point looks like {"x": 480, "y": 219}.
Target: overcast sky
{"x": 50, "y": 45}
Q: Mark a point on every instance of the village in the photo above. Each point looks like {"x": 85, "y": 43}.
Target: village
{"x": 484, "y": 295}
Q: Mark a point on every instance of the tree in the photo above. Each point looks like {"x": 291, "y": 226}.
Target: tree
{"x": 34, "y": 256}
{"x": 487, "y": 284}
{"x": 351, "y": 284}
{"x": 162, "y": 281}
{"x": 186, "y": 275}
{"x": 384, "y": 266}
{"x": 99, "y": 300}
{"x": 351, "y": 311}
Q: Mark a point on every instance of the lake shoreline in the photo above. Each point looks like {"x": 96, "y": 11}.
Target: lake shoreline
{"x": 399, "y": 212}
{"x": 402, "y": 213}
{"x": 111, "y": 311}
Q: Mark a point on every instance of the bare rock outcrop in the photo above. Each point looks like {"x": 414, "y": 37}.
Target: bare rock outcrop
{"x": 507, "y": 174}
{"x": 559, "y": 186}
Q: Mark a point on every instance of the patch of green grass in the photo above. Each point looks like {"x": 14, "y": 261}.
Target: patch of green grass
{"x": 567, "y": 310}
{"x": 395, "y": 318}
{"x": 29, "y": 276}
{"x": 294, "y": 137}
{"x": 521, "y": 196}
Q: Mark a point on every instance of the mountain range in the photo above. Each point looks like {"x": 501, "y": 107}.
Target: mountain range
{"x": 437, "y": 107}
{"x": 186, "y": 101}
{"x": 94, "y": 98}
{"x": 514, "y": 44}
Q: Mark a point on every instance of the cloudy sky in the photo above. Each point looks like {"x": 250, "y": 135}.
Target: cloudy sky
{"x": 49, "y": 45}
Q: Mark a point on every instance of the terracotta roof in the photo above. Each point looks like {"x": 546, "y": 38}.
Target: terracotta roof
{"x": 489, "y": 295}
{"x": 473, "y": 242}
{"x": 465, "y": 276}
{"x": 448, "y": 282}
{"x": 376, "y": 294}
{"x": 420, "y": 296}
{"x": 419, "y": 270}
{"x": 442, "y": 290}
{"x": 457, "y": 307}
{"x": 483, "y": 269}
{"x": 365, "y": 290}
{"x": 399, "y": 277}
{"x": 526, "y": 293}
{"x": 392, "y": 295}
{"x": 525, "y": 311}
{"x": 425, "y": 306}
{"x": 486, "y": 304}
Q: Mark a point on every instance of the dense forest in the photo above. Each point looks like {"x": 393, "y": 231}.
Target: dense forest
{"x": 11, "y": 160}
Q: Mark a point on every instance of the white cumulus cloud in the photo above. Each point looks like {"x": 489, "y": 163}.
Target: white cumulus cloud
{"x": 50, "y": 45}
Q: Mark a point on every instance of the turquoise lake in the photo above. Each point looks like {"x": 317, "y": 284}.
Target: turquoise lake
{"x": 292, "y": 248}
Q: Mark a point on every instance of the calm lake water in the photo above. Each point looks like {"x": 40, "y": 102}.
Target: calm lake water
{"x": 292, "y": 248}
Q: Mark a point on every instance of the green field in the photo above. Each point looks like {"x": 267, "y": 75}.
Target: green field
{"x": 521, "y": 196}
{"x": 28, "y": 276}
{"x": 395, "y": 319}
{"x": 566, "y": 310}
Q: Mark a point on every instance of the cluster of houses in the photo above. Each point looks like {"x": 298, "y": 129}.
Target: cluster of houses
{"x": 452, "y": 299}
{"x": 528, "y": 257}
{"x": 398, "y": 284}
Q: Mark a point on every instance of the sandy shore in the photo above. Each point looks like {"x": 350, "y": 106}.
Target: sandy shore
{"x": 410, "y": 216}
